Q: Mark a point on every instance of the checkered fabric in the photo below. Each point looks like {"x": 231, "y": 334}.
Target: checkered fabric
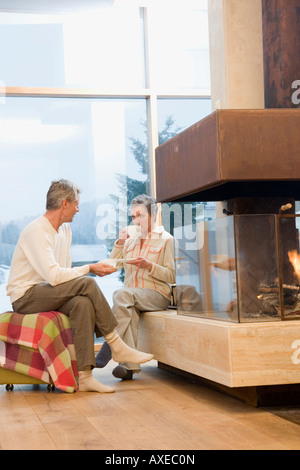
{"x": 39, "y": 345}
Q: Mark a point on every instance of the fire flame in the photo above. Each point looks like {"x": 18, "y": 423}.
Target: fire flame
{"x": 294, "y": 258}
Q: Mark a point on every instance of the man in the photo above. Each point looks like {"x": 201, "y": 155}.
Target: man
{"x": 149, "y": 271}
{"x": 42, "y": 279}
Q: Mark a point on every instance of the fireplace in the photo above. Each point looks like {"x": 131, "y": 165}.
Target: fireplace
{"x": 241, "y": 268}
{"x": 245, "y": 264}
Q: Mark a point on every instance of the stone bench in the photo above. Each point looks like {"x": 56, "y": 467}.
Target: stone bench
{"x": 232, "y": 354}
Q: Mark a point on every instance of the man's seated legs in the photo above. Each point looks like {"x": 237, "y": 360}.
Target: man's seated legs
{"x": 81, "y": 312}
{"x": 89, "y": 312}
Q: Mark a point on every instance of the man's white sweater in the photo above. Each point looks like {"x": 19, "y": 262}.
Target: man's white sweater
{"x": 42, "y": 255}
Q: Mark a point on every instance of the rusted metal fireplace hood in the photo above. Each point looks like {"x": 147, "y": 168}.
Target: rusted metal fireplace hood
{"x": 231, "y": 154}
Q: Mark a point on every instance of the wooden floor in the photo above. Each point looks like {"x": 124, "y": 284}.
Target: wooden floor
{"x": 156, "y": 411}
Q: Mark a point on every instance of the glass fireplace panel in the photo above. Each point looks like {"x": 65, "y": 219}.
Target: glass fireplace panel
{"x": 205, "y": 270}
{"x": 257, "y": 268}
{"x": 289, "y": 227}
{"x": 232, "y": 268}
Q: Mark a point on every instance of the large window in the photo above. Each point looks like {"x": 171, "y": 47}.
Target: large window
{"x": 180, "y": 45}
{"x": 88, "y": 93}
{"x": 175, "y": 115}
{"x": 103, "y": 48}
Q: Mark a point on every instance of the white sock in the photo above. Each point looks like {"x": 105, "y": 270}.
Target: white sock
{"x": 123, "y": 353}
{"x": 87, "y": 383}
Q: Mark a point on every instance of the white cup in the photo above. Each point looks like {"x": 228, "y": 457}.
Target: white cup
{"x": 133, "y": 230}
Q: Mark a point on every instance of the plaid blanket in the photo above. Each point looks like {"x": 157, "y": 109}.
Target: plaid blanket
{"x": 39, "y": 345}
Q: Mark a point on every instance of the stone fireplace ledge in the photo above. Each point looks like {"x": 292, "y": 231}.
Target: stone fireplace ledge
{"x": 231, "y": 354}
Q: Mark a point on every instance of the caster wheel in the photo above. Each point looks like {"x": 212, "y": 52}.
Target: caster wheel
{"x": 51, "y": 388}
{"x": 9, "y": 387}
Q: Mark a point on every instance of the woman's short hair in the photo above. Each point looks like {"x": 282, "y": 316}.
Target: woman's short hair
{"x": 59, "y": 191}
{"x": 147, "y": 201}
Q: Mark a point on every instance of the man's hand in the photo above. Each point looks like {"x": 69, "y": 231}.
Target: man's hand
{"x": 141, "y": 263}
{"x": 102, "y": 269}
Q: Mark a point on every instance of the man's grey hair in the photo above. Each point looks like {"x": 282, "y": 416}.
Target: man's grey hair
{"x": 147, "y": 201}
{"x": 59, "y": 191}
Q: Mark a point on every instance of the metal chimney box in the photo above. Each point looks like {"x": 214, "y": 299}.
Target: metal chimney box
{"x": 230, "y": 154}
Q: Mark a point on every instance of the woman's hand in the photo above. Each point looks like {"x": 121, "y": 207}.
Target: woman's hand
{"x": 141, "y": 263}
{"x": 123, "y": 235}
